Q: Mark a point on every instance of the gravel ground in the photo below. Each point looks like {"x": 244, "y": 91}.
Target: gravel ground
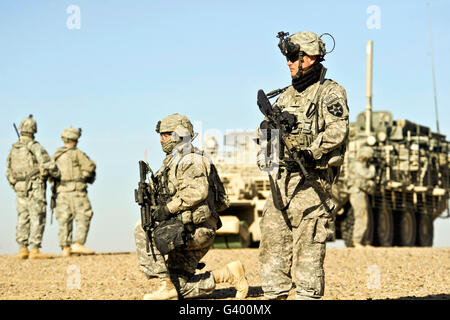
{"x": 351, "y": 274}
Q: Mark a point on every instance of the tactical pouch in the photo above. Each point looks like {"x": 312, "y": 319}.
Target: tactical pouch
{"x": 169, "y": 235}
{"x": 201, "y": 213}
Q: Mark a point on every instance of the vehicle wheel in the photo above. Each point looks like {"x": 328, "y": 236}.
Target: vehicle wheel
{"x": 405, "y": 229}
{"x": 425, "y": 230}
{"x": 384, "y": 227}
{"x": 347, "y": 225}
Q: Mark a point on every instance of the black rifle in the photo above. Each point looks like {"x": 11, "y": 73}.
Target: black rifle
{"x": 284, "y": 122}
{"x": 144, "y": 195}
{"x": 55, "y": 184}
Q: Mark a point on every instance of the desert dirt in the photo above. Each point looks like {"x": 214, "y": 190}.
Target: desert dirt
{"x": 350, "y": 274}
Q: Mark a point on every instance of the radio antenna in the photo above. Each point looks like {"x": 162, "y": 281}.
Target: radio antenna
{"x": 432, "y": 69}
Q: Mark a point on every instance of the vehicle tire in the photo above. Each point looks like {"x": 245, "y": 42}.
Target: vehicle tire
{"x": 347, "y": 225}
{"x": 405, "y": 228}
{"x": 384, "y": 227}
{"x": 425, "y": 230}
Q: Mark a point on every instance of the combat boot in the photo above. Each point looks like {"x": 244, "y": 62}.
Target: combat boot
{"x": 165, "y": 291}
{"x": 66, "y": 251}
{"x": 36, "y": 254}
{"x": 234, "y": 274}
{"x": 80, "y": 249}
{"x": 23, "y": 253}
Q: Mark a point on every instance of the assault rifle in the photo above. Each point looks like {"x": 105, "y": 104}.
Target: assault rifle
{"x": 144, "y": 195}
{"x": 284, "y": 122}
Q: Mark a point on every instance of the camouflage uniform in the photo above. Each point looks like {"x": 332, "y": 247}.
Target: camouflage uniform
{"x": 361, "y": 184}
{"x": 184, "y": 177}
{"x": 295, "y": 237}
{"x": 72, "y": 202}
{"x": 28, "y": 167}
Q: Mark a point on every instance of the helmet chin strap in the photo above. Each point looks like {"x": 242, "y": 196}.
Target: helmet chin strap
{"x": 302, "y": 71}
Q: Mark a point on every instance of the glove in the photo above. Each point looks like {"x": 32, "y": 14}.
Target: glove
{"x": 307, "y": 156}
{"x": 161, "y": 213}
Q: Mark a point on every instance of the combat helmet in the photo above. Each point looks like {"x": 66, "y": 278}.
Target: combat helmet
{"x": 28, "y": 125}
{"x": 71, "y": 134}
{"x": 176, "y": 123}
{"x": 301, "y": 43}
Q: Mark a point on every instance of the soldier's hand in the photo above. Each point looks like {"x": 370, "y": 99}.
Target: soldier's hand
{"x": 161, "y": 213}
{"x": 307, "y": 156}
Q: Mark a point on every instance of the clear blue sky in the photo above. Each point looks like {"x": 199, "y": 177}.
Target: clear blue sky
{"x": 133, "y": 62}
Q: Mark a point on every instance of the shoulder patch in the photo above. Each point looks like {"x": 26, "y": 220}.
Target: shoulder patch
{"x": 336, "y": 109}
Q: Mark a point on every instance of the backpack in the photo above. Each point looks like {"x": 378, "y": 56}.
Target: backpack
{"x": 221, "y": 200}
{"x": 22, "y": 160}
{"x": 220, "y": 197}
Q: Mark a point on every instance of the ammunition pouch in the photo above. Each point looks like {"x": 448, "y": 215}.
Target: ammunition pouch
{"x": 197, "y": 215}
{"x": 200, "y": 214}
{"x": 170, "y": 235}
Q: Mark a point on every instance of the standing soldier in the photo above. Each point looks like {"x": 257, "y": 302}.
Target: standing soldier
{"x": 72, "y": 202}
{"x": 297, "y": 220}
{"x": 186, "y": 214}
{"x": 360, "y": 183}
{"x": 28, "y": 167}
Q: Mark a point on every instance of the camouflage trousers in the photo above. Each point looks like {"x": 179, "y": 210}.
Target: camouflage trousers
{"x": 72, "y": 206}
{"x": 31, "y": 212}
{"x": 360, "y": 204}
{"x": 299, "y": 246}
{"x": 179, "y": 265}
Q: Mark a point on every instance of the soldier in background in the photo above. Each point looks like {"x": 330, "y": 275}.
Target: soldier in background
{"x": 72, "y": 202}
{"x": 28, "y": 167}
{"x": 298, "y": 220}
{"x": 187, "y": 199}
{"x": 360, "y": 185}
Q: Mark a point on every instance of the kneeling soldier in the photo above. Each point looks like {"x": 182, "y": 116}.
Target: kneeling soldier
{"x": 186, "y": 220}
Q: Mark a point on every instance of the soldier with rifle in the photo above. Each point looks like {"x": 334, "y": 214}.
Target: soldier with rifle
{"x": 69, "y": 194}
{"x": 302, "y": 144}
{"x": 27, "y": 169}
{"x": 179, "y": 218}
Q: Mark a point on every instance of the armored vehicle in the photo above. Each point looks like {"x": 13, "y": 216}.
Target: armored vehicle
{"x": 247, "y": 188}
{"x": 412, "y": 177}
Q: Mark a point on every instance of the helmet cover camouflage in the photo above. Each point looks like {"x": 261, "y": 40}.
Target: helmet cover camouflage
{"x": 176, "y": 123}
{"x": 309, "y": 42}
{"x": 301, "y": 43}
{"x": 28, "y": 125}
{"x": 71, "y": 134}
